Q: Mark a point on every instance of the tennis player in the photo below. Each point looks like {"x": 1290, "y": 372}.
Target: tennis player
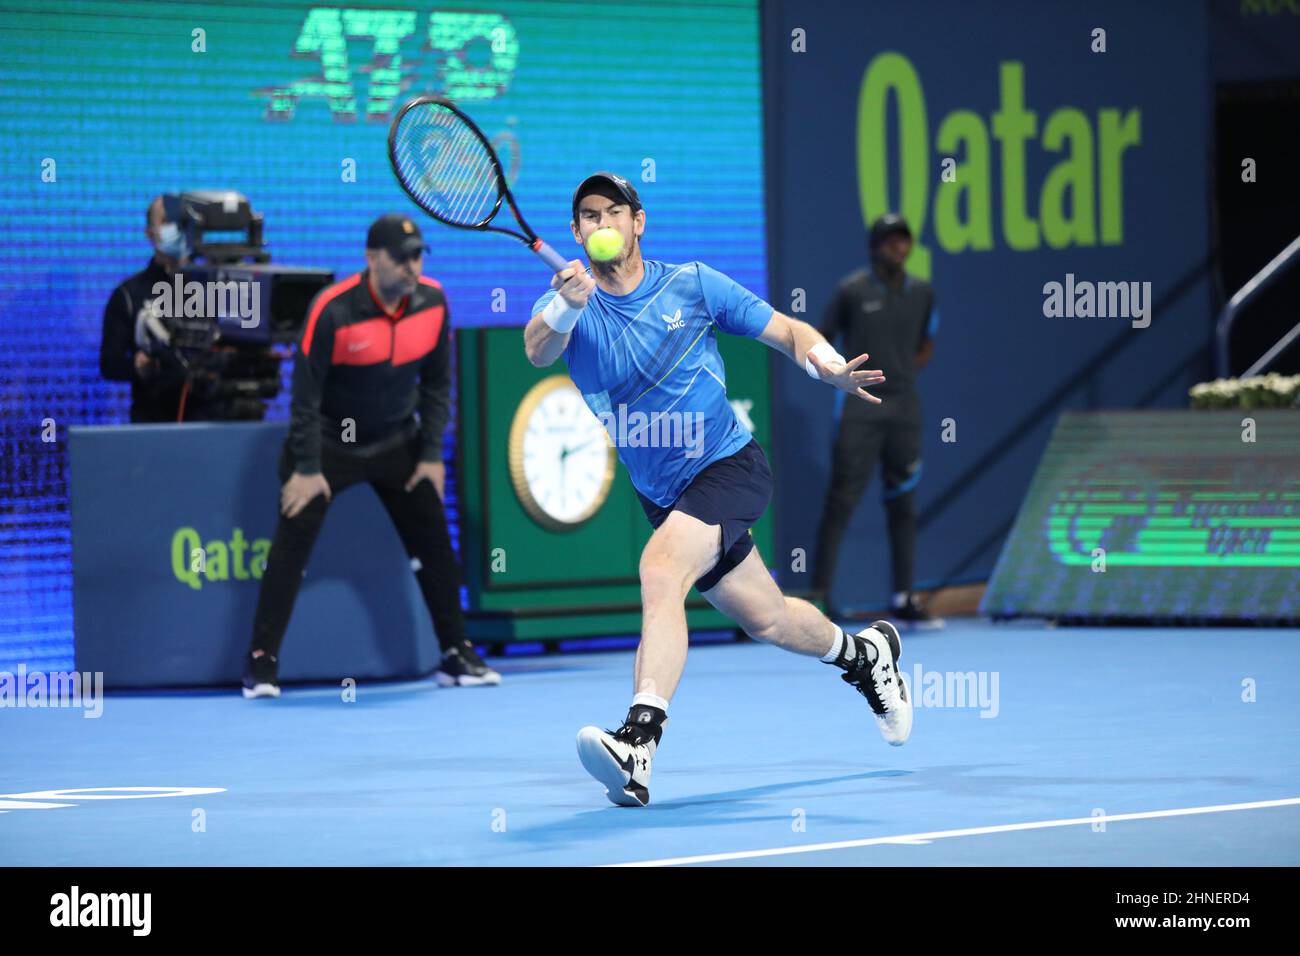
{"x": 641, "y": 334}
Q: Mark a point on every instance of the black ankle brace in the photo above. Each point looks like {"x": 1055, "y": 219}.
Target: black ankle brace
{"x": 644, "y": 722}
{"x": 854, "y": 656}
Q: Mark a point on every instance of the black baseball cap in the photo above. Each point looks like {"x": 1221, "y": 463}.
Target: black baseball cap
{"x": 611, "y": 186}
{"x": 398, "y": 234}
{"x": 891, "y": 223}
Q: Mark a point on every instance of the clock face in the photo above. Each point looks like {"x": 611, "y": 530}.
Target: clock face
{"x": 561, "y": 459}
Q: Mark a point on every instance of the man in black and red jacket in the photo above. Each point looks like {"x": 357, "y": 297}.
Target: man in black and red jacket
{"x": 375, "y": 351}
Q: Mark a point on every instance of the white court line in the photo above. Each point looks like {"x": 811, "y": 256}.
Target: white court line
{"x": 916, "y": 838}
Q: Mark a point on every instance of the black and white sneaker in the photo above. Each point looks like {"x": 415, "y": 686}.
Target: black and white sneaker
{"x": 621, "y": 760}
{"x": 882, "y": 683}
{"x": 261, "y": 676}
{"x": 462, "y": 667}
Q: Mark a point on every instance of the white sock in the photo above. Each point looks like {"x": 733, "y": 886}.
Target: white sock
{"x": 837, "y": 648}
{"x": 900, "y": 598}
{"x": 844, "y": 652}
{"x": 650, "y": 700}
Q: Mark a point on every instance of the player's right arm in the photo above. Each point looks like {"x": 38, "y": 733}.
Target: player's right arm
{"x": 547, "y": 333}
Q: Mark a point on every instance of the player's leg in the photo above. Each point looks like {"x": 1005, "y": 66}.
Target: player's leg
{"x": 747, "y": 594}
{"x": 286, "y": 564}
{"x": 698, "y": 541}
{"x": 682, "y": 549}
{"x": 421, "y": 523}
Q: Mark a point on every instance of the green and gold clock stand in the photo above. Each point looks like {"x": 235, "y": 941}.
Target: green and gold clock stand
{"x": 551, "y": 531}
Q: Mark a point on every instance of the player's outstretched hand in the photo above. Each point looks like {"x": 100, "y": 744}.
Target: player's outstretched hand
{"x": 574, "y": 284}
{"x": 848, "y": 377}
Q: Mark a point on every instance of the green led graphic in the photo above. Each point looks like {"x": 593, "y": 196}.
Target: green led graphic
{"x": 1159, "y": 514}
{"x": 470, "y": 56}
{"x": 1148, "y": 512}
{"x": 453, "y": 36}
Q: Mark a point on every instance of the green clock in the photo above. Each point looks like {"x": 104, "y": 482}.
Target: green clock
{"x": 562, "y": 462}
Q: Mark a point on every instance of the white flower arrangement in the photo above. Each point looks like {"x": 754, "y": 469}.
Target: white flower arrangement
{"x": 1258, "y": 391}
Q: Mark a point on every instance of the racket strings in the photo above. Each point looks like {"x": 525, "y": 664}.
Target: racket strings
{"x": 446, "y": 166}
{"x": 486, "y": 189}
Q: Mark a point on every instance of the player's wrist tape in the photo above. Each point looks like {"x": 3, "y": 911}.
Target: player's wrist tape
{"x": 560, "y": 316}
{"x": 824, "y": 351}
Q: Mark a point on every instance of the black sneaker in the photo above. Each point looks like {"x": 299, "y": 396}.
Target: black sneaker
{"x": 913, "y": 615}
{"x": 261, "y": 676}
{"x": 462, "y": 667}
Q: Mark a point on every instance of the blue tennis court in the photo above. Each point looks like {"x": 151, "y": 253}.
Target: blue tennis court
{"x": 1031, "y": 746}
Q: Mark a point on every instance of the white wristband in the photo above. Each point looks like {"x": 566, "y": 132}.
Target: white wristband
{"x": 560, "y": 316}
{"x": 824, "y": 351}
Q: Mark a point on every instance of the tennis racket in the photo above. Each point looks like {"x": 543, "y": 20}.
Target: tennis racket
{"x": 448, "y": 167}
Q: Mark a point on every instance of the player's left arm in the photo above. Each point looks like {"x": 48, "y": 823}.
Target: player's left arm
{"x": 806, "y": 347}
{"x": 738, "y": 311}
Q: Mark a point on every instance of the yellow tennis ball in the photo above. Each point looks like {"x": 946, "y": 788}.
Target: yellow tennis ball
{"x": 605, "y": 244}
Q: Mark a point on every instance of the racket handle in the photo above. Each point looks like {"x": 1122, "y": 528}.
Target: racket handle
{"x": 550, "y": 256}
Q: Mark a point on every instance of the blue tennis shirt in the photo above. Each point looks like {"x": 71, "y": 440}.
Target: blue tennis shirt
{"x": 647, "y": 366}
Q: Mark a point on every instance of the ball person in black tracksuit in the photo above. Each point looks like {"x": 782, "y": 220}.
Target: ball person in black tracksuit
{"x": 375, "y": 350}
{"x": 885, "y": 312}
{"x": 157, "y": 380}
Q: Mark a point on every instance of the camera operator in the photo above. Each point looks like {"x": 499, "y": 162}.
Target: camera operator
{"x": 127, "y": 352}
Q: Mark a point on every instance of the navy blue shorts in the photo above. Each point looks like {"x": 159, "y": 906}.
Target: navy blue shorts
{"x": 732, "y": 493}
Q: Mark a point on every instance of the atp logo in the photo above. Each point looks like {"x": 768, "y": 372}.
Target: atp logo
{"x": 674, "y": 321}
{"x": 366, "y": 58}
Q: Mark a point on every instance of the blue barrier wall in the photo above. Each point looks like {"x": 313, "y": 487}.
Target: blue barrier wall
{"x": 1105, "y": 181}
{"x": 170, "y": 524}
